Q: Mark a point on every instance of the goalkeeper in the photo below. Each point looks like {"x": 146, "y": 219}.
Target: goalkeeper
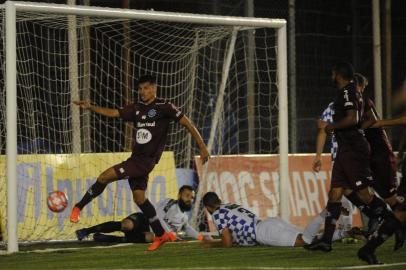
{"x": 172, "y": 214}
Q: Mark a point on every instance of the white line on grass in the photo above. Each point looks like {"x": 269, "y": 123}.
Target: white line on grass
{"x": 272, "y": 268}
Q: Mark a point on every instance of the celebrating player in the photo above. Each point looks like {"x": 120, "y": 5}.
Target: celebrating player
{"x": 351, "y": 171}
{"x": 239, "y": 226}
{"x": 135, "y": 227}
{"x": 151, "y": 117}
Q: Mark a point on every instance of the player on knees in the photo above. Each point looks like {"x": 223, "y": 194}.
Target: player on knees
{"x": 151, "y": 117}
{"x": 135, "y": 227}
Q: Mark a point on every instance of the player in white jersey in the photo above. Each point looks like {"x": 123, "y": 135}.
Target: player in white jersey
{"x": 239, "y": 226}
{"x": 172, "y": 214}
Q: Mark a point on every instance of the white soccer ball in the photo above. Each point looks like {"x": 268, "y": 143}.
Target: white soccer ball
{"x": 57, "y": 201}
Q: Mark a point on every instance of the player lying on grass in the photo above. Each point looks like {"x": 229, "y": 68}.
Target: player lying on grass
{"x": 239, "y": 226}
{"x": 135, "y": 227}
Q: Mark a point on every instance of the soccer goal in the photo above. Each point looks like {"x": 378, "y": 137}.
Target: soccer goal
{"x": 228, "y": 74}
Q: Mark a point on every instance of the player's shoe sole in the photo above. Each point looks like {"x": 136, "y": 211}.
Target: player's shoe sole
{"x": 75, "y": 215}
{"x": 159, "y": 241}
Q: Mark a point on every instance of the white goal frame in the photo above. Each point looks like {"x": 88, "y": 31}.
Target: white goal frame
{"x": 11, "y": 8}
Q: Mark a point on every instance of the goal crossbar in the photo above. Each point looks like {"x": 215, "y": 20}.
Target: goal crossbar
{"x": 11, "y": 8}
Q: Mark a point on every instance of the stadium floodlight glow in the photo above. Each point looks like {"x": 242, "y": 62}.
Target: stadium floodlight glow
{"x": 55, "y": 53}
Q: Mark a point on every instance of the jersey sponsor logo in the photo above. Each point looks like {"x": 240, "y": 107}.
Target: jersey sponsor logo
{"x": 121, "y": 170}
{"x": 358, "y": 183}
{"x": 144, "y": 117}
{"x": 151, "y": 113}
{"x": 147, "y": 124}
{"x": 143, "y": 136}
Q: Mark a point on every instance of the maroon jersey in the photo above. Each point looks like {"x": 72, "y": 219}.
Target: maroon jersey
{"x": 151, "y": 123}
{"x": 377, "y": 137}
{"x": 351, "y": 138}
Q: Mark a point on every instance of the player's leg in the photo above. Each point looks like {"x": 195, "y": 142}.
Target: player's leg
{"x": 105, "y": 238}
{"x": 333, "y": 208}
{"x": 138, "y": 187}
{"x": 95, "y": 190}
{"x": 106, "y": 227}
{"x": 388, "y": 227}
{"x": 277, "y": 232}
{"x": 136, "y": 228}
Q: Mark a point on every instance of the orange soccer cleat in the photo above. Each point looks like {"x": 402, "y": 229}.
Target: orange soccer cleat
{"x": 159, "y": 240}
{"x": 75, "y": 215}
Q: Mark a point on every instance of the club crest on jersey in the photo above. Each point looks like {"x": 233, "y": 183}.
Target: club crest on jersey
{"x": 151, "y": 113}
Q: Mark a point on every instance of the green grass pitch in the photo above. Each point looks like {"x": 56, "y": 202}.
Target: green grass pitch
{"x": 192, "y": 256}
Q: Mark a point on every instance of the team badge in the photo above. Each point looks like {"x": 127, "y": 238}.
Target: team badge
{"x": 151, "y": 113}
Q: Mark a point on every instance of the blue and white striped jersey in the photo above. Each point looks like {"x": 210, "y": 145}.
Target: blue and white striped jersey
{"x": 327, "y": 116}
{"x": 240, "y": 221}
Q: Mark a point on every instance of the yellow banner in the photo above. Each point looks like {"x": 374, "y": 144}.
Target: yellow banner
{"x": 37, "y": 175}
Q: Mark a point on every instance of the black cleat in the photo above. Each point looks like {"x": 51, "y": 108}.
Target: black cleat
{"x": 367, "y": 257}
{"x": 318, "y": 244}
{"x": 359, "y": 234}
{"x": 81, "y": 234}
{"x": 399, "y": 239}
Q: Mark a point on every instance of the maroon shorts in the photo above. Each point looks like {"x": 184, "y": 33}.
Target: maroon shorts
{"x": 384, "y": 174}
{"x": 351, "y": 170}
{"x": 137, "y": 170}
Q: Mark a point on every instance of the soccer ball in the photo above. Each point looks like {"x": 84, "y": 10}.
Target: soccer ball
{"x": 57, "y": 201}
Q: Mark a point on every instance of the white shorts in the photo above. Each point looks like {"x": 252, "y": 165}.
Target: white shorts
{"x": 276, "y": 232}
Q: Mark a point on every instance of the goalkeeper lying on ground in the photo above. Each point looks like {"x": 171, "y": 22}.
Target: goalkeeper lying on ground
{"x": 239, "y": 226}
{"x": 135, "y": 227}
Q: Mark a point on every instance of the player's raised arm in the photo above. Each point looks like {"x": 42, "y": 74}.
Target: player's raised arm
{"x": 85, "y": 104}
{"x": 204, "y": 153}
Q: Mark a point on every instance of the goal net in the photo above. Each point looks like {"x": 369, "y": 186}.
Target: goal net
{"x": 221, "y": 73}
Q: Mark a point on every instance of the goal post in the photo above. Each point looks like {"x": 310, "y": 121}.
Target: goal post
{"x": 190, "y": 47}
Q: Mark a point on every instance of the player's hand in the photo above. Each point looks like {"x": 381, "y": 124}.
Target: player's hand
{"x": 316, "y": 164}
{"x": 329, "y": 129}
{"x": 84, "y": 104}
{"x": 204, "y": 155}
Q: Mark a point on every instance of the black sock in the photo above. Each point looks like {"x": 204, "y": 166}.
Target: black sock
{"x": 333, "y": 213}
{"x": 379, "y": 208}
{"x": 363, "y": 207}
{"x": 388, "y": 227}
{"x": 106, "y": 227}
{"x": 95, "y": 190}
{"x": 149, "y": 211}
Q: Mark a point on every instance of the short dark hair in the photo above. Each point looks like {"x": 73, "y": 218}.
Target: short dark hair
{"x": 360, "y": 79}
{"x": 211, "y": 199}
{"x": 344, "y": 69}
{"x": 185, "y": 187}
{"x": 147, "y": 78}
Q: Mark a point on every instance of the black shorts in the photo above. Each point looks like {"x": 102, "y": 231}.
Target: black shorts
{"x": 351, "y": 170}
{"x": 137, "y": 170}
{"x": 140, "y": 226}
{"x": 384, "y": 175}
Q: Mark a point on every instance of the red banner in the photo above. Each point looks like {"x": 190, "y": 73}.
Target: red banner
{"x": 253, "y": 182}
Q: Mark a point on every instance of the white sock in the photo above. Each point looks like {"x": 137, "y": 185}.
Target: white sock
{"x": 339, "y": 234}
{"x": 312, "y": 228}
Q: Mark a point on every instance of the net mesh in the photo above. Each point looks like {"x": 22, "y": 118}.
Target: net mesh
{"x": 58, "y": 150}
